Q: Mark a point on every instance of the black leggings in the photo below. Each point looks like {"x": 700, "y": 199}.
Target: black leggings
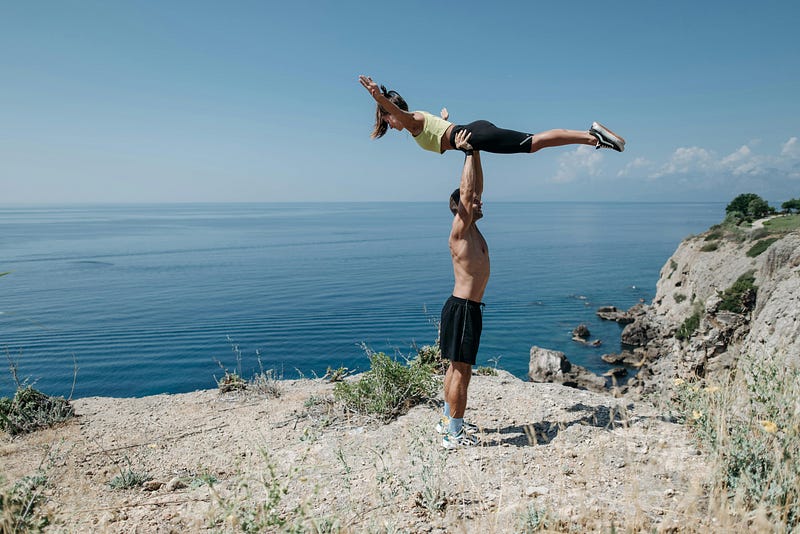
{"x": 487, "y": 137}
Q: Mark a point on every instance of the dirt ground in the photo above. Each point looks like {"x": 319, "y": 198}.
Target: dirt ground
{"x": 549, "y": 454}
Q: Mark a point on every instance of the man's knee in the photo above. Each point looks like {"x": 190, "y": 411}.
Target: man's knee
{"x": 461, "y": 370}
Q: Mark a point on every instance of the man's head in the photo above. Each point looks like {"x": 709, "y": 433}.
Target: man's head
{"x": 455, "y": 200}
{"x": 382, "y": 118}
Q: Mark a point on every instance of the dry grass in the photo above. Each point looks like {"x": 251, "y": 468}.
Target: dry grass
{"x": 750, "y": 427}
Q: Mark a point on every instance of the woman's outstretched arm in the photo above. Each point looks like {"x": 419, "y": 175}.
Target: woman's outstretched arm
{"x": 413, "y": 122}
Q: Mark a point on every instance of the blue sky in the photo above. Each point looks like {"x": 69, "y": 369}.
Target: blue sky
{"x": 184, "y": 101}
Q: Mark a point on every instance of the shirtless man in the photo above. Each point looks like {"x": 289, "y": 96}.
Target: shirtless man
{"x": 461, "y": 323}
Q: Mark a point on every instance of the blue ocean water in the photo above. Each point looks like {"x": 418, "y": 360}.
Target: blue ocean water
{"x": 149, "y": 298}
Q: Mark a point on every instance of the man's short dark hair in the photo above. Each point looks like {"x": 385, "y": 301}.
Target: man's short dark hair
{"x": 455, "y": 199}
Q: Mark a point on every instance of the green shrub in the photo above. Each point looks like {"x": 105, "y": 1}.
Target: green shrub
{"x": 710, "y": 247}
{"x": 679, "y": 297}
{"x": 231, "y": 382}
{"x": 19, "y": 506}
{"x": 533, "y": 519}
{"x": 388, "y": 389}
{"x": 129, "y": 479}
{"x": 760, "y": 247}
{"x": 485, "y": 370}
{"x": 690, "y": 325}
{"x": 31, "y": 410}
{"x": 741, "y": 296}
{"x": 673, "y": 266}
{"x": 431, "y": 355}
{"x": 265, "y": 382}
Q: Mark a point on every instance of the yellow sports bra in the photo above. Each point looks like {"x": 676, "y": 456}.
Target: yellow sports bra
{"x": 430, "y": 138}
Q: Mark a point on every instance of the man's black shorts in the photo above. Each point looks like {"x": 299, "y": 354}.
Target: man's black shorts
{"x": 460, "y": 330}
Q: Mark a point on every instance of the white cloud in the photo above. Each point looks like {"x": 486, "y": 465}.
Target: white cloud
{"x": 636, "y": 165}
{"x": 687, "y": 160}
{"x": 744, "y": 161}
{"x": 582, "y": 161}
{"x": 791, "y": 148}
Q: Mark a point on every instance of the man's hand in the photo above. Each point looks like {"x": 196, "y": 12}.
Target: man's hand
{"x": 462, "y": 140}
{"x": 369, "y": 85}
{"x": 444, "y": 114}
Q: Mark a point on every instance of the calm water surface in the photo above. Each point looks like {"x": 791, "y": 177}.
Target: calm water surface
{"x": 149, "y": 298}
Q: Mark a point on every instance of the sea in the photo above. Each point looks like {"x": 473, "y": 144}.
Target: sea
{"x": 135, "y": 300}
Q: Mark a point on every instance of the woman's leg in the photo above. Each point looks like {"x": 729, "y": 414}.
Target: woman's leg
{"x": 561, "y": 137}
{"x": 487, "y": 137}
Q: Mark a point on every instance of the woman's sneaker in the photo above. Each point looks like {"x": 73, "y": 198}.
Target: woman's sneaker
{"x": 462, "y": 439}
{"x": 606, "y": 138}
{"x": 443, "y": 426}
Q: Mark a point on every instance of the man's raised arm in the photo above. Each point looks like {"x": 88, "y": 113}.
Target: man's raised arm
{"x": 471, "y": 187}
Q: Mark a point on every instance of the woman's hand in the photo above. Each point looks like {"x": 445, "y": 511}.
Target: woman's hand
{"x": 444, "y": 114}
{"x": 373, "y": 88}
{"x": 462, "y": 140}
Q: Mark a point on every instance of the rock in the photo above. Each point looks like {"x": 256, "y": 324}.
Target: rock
{"x": 533, "y": 491}
{"x": 553, "y": 366}
{"x": 152, "y": 485}
{"x": 595, "y": 343}
{"x": 611, "y": 313}
{"x": 625, "y": 357}
{"x": 175, "y": 484}
{"x": 616, "y": 372}
{"x": 640, "y": 332}
{"x": 581, "y": 331}
{"x": 547, "y": 365}
{"x": 581, "y": 334}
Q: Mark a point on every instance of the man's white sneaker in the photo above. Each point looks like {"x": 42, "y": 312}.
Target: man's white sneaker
{"x": 462, "y": 439}
{"x": 443, "y": 426}
{"x": 606, "y": 138}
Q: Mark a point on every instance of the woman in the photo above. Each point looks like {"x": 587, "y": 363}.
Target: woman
{"x": 438, "y": 135}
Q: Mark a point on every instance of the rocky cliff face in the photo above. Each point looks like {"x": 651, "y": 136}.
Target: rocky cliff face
{"x": 718, "y": 317}
{"x": 723, "y": 294}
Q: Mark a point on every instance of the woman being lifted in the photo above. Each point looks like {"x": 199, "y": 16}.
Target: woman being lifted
{"x": 437, "y": 134}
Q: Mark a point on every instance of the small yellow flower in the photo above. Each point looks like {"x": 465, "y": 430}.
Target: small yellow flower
{"x": 769, "y": 427}
{"x": 696, "y": 415}
{"x": 679, "y": 381}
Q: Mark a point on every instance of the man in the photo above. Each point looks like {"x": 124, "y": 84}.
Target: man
{"x": 462, "y": 321}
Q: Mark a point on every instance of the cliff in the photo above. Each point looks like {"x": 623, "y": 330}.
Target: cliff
{"x": 723, "y": 294}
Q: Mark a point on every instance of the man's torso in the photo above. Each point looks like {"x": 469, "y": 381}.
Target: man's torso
{"x": 470, "y": 264}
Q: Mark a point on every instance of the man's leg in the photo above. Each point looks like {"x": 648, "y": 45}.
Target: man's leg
{"x": 456, "y": 384}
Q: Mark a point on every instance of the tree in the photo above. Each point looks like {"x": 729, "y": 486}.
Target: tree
{"x": 793, "y": 204}
{"x": 750, "y": 205}
{"x": 759, "y": 208}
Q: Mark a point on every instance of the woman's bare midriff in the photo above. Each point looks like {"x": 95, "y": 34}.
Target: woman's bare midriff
{"x": 444, "y": 142}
